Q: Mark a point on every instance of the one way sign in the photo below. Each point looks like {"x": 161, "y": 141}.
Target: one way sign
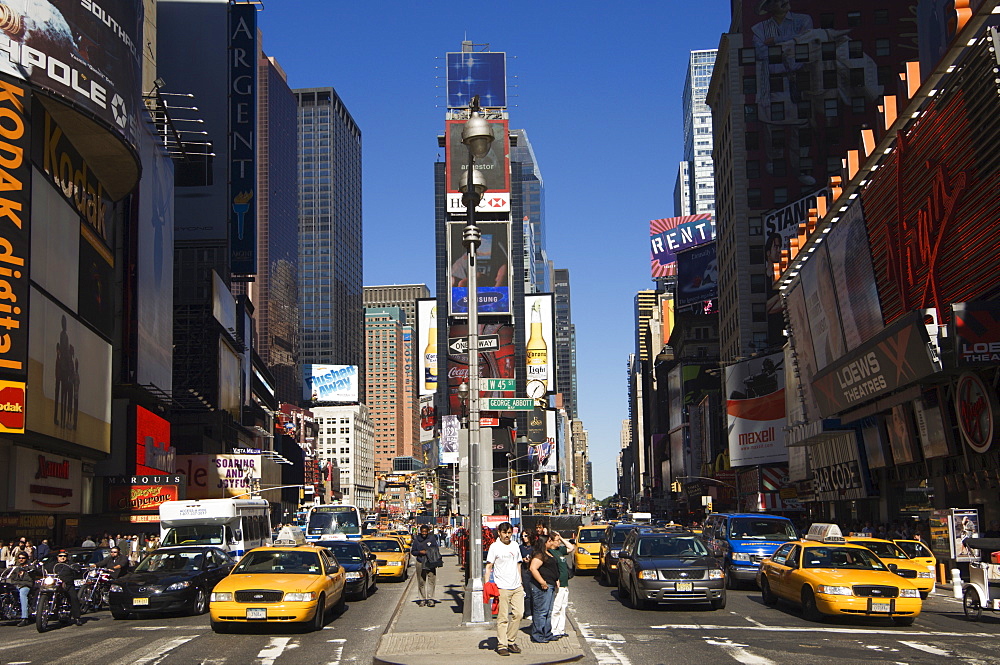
{"x": 486, "y": 343}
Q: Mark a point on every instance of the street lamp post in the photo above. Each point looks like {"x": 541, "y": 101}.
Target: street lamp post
{"x": 477, "y": 135}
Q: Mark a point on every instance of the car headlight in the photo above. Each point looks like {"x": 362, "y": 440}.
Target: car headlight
{"x": 835, "y": 590}
{"x": 116, "y": 588}
{"x": 354, "y": 576}
{"x": 613, "y": 554}
{"x": 926, "y": 574}
{"x": 930, "y": 568}
{"x": 740, "y": 556}
{"x": 647, "y": 574}
{"x": 300, "y": 597}
{"x": 715, "y": 574}
{"x": 909, "y": 593}
{"x": 177, "y": 586}
{"x": 222, "y": 596}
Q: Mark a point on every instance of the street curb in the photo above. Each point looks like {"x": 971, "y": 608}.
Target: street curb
{"x": 392, "y": 622}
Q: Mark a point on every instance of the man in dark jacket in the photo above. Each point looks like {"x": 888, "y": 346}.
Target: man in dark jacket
{"x": 117, "y": 562}
{"x": 21, "y": 575}
{"x": 427, "y": 550}
{"x": 68, "y": 572}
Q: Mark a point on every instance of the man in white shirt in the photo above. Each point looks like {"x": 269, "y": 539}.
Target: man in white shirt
{"x": 503, "y": 561}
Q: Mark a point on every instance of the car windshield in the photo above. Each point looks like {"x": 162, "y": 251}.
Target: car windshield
{"x": 884, "y": 550}
{"x": 757, "y": 528}
{"x": 590, "y": 535}
{"x": 618, "y": 536}
{"x": 384, "y": 545}
{"x": 196, "y": 534}
{"x": 279, "y": 561}
{"x": 343, "y": 551}
{"x": 914, "y": 549}
{"x": 671, "y": 547}
{"x": 332, "y": 521}
{"x": 165, "y": 562}
{"x": 851, "y": 558}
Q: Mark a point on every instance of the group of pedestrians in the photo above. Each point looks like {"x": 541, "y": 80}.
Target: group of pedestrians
{"x": 532, "y": 580}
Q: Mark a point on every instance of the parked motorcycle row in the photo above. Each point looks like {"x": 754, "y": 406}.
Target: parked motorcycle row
{"x": 48, "y": 600}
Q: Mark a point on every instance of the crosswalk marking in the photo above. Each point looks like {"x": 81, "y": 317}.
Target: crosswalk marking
{"x": 823, "y": 629}
{"x": 274, "y": 649}
{"x": 928, "y": 648}
{"x": 738, "y": 652}
{"x": 158, "y": 650}
{"x": 99, "y": 652}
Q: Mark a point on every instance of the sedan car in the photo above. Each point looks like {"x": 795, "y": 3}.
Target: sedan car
{"x": 668, "y": 566}
{"x": 393, "y": 560}
{"x": 359, "y": 563}
{"x": 171, "y": 579}
{"x": 919, "y": 574}
{"x": 282, "y": 584}
{"x": 826, "y": 576}
{"x": 81, "y": 555}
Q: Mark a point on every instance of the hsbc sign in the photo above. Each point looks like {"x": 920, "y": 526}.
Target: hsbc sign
{"x": 492, "y": 202}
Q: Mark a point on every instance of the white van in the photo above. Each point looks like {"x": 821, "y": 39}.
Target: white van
{"x": 235, "y": 525}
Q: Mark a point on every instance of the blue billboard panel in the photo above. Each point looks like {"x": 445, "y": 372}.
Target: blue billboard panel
{"x": 483, "y": 74}
{"x": 697, "y": 275}
{"x": 330, "y": 383}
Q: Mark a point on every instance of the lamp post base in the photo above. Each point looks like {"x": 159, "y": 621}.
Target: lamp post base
{"x": 476, "y": 612}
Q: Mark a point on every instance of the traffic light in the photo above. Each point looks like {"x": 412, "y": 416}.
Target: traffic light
{"x": 675, "y": 486}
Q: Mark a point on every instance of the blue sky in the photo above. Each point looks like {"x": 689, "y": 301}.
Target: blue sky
{"x": 598, "y": 89}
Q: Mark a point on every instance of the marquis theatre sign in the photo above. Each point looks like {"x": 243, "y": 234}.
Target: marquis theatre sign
{"x": 976, "y": 409}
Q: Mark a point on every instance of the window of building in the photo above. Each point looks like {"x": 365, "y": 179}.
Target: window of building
{"x": 780, "y": 195}
{"x": 753, "y": 197}
{"x": 779, "y": 168}
{"x": 803, "y": 109}
{"x": 853, "y": 19}
{"x": 857, "y": 104}
{"x": 830, "y": 108}
{"x": 749, "y": 85}
{"x": 757, "y": 284}
{"x": 753, "y": 168}
{"x": 828, "y": 51}
{"x": 883, "y": 74}
{"x": 830, "y": 79}
{"x": 777, "y": 83}
{"x": 756, "y": 227}
{"x": 826, "y": 21}
{"x": 750, "y": 112}
{"x": 758, "y": 312}
{"x": 882, "y": 47}
{"x": 854, "y": 49}
{"x": 778, "y": 139}
{"x": 881, "y": 17}
{"x": 752, "y": 140}
{"x": 857, "y": 76}
{"x": 802, "y": 53}
{"x": 774, "y": 55}
{"x": 747, "y": 56}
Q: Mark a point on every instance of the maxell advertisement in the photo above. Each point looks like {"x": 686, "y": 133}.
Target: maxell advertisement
{"x": 894, "y": 358}
{"x": 85, "y": 51}
{"x": 977, "y": 332}
{"x": 495, "y": 167}
{"x": 330, "y": 383}
{"x": 153, "y": 453}
{"x": 69, "y": 377}
{"x": 492, "y": 269}
{"x": 854, "y": 277}
{"x": 674, "y": 234}
{"x": 697, "y": 275}
{"x": 496, "y": 360}
{"x": 15, "y": 229}
{"x": 755, "y": 411}
{"x": 219, "y": 476}
{"x": 782, "y": 224}
{"x": 540, "y": 347}
{"x": 471, "y": 73}
{"x": 427, "y": 346}
{"x": 243, "y": 143}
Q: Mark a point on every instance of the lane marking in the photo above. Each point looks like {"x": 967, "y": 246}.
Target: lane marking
{"x": 274, "y": 649}
{"x": 159, "y": 650}
{"x": 755, "y": 622}
{"x": 98, "y": 652}
{"x": 928, "y": 648}
{"x": 605, "y": 651}
{"x": 738, "y": 652}
{"x": 338, "y": 651}
{"x": 818, "y": 629}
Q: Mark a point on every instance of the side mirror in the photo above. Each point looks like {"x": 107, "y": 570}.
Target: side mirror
{"x": 371, "y": 557}
{"x": 893, "y": 567}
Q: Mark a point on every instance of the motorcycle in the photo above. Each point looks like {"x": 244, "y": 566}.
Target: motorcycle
{"x": 94, "y": 589}
{"x": 53, "y": 603}
{"x": 10, "y": 600}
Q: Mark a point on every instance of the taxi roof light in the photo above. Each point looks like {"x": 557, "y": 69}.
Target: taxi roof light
{"x": 825, "y": 533}
{"x": 290, "y": 536}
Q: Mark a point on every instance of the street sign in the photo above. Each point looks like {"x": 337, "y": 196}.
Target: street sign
{"x": 500, "y": 384}
{"x": 486, "y": 343}
{"x": 509, "y": 404}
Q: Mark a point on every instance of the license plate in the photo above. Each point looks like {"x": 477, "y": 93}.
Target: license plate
{"x": 77, "y": 582}
{"x": 256, "y": 612}
{"x": 880, "y": 607}
{"x": 685, "y": 586}
{"x": 140, "y": 601}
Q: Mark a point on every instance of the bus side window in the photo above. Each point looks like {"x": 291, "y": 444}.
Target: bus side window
{"x": 250, "y": 527}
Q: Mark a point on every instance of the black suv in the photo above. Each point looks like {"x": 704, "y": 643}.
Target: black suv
{"x": 669, "y": 566}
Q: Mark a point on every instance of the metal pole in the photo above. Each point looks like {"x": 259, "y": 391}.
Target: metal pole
{"x": 471, "y": 237}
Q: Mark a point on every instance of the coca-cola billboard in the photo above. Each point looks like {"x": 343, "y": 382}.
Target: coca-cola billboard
{"x": 495, "y": 364}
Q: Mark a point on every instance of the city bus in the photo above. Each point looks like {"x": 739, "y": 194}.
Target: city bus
{"x": 235, "y": 525}
{"x": 333, "y": 522}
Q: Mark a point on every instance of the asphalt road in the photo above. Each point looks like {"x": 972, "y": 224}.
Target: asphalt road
{"x": 749, "y": 632}
{"x": 350, "y": 637}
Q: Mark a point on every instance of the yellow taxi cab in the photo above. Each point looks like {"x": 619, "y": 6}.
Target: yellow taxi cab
{"x": 405, "y": 535}
{"x": 588, "y": 547}
{"x": 392, "y": 559}
{"x": 920, "y": 553}
{"x": 826, "y": 575}
{"x": 899, "y": 562}
{"x": 288, "y": 582}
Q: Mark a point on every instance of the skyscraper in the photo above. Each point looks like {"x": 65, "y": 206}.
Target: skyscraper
{"x": 565, "y": 334}
{"x": 403, "y": 296}
{"x": 386, "y": 369}
{"x": 537, "y": 278}
{"x": 330, "y": 251}
{"x": 694, "y": 192}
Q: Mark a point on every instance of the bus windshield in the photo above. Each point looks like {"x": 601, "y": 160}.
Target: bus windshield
{"x": 333, "y": 519}
{"x": 196, "y": 534}
{"x": 762, "y": 528}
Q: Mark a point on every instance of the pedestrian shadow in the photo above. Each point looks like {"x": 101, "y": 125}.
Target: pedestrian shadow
{"x": 457, "y": 593}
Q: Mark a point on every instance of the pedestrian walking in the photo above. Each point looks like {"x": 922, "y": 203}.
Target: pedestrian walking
{"x": 561, "y": 601}
{"x": 88, "y": 542}
{"x": 526, "y": 550}
{"x": 544, "y": 581}
{"x": 427, "y": 550}
{"x": 503, "y": 563}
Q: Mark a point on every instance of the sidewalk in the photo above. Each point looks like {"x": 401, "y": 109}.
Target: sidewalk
{"x": 433, "y": 635}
